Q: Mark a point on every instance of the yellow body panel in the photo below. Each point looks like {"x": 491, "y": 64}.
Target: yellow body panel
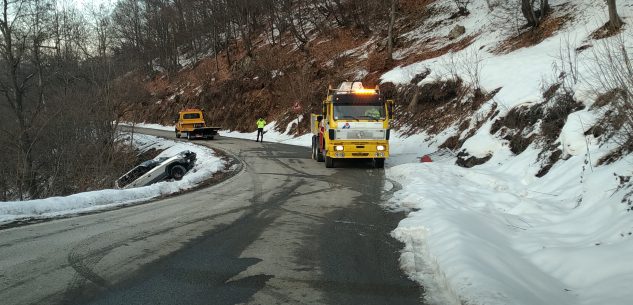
{"x": 357, "y": 149}
{"x": 184, "y": 125}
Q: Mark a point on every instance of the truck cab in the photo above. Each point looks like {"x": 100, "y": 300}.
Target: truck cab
{"x": 354, "y": 124}
{"x": 191, "y": 124}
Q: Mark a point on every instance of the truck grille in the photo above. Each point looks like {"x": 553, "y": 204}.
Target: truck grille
{"x": 360, "y": 154}
{"x": 356, "y": 134}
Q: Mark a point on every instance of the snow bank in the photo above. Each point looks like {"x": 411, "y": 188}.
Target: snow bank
{"x": 207, "y": 164}
{"x": 496, "y": 234}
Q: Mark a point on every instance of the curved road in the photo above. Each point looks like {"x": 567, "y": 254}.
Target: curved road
{"x": 285, "y": 230}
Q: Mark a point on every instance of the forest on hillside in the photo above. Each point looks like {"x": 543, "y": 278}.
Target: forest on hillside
{"x": 68, "y": 75}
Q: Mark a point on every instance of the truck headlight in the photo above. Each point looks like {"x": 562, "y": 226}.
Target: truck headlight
{"x": 338, "y": 148}
{"x": 380, "y": 148}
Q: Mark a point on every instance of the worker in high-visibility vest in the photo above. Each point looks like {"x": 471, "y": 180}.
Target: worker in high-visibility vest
{"x": 260, "y": 129}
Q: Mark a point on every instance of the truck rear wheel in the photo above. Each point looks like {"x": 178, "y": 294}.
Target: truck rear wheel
{"x": 177, "y": 134}
{"x": 379, "y": 163}
{"x": 319, "y": 155}
{"x": 319, "y": 152}
{"x": 188, "y": 136}
{"x": 314, "y": 149}
{"x": 329, "y": 162}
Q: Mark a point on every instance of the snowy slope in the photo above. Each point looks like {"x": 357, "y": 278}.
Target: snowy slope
{"x": 496, "y": 234}
{"x": 207, "y": 164}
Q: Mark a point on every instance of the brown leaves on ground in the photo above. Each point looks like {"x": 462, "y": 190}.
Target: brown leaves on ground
{"x": 605, "y": 31}
{"x": 434, "y": 52}
{"x": 432, "y": 107}
{"x": 533, "y": 36}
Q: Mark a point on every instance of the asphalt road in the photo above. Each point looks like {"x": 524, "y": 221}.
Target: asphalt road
{"x": 285, "y": 230}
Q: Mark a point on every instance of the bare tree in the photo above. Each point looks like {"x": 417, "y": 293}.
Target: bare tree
{"x": 462, "y": 6}
{"x": 22, "y": 29}
{"x": 390, "y": 34}
{"x": 610, "y": 76}
{"x": 614, "y": 19}
{"x": 56, "y": 105}
{"x": 534, "y": 11}
{"x": 507, "y": 14}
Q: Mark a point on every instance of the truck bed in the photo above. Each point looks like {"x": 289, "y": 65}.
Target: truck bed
{"x": 204, "y": 132}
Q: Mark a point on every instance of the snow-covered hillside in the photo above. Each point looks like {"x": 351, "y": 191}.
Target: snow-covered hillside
{"x": 496, "y": 233}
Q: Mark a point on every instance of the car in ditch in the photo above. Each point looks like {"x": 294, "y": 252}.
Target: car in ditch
{"x": 157, "y": 170}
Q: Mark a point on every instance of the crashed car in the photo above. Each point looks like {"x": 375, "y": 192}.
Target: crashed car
{"x": 157, "y": 170}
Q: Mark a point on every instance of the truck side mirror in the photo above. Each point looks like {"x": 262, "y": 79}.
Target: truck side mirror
{"x": 319, "y": 118}
{"x": 390, "y": 108}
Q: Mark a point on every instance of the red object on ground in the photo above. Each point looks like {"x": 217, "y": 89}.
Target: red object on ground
{"x": 425, "y": 159}
{"x": 297, "y": 107}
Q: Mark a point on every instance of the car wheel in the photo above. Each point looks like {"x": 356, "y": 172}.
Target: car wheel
{"x": 177, "y": 172}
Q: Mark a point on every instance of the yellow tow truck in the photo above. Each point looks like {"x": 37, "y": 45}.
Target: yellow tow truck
{"x": 354, "y": 123}
{"x": 190, "y": 124}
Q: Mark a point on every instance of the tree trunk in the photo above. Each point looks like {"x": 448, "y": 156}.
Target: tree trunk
{"x": 544, "y": 9}
{"x": 528, "y": 13}
{"x": 392, "y": 21}
{"x": 614, "y": 19}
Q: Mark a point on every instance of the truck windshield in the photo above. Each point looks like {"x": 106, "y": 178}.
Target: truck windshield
{"x": 359, "y": 107}
{"x": 189, "y": 116}
{"x": 359, "y": 112}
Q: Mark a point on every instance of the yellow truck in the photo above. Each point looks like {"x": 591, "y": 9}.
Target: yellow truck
{"x": 354, "y": 124}
{"x": 190, "y": 124}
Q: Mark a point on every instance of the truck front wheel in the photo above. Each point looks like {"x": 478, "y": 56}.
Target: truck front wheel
{"x": 329, "y": 162}
{"x": 379, "y": 163}
{"x": 176, "y": 172}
